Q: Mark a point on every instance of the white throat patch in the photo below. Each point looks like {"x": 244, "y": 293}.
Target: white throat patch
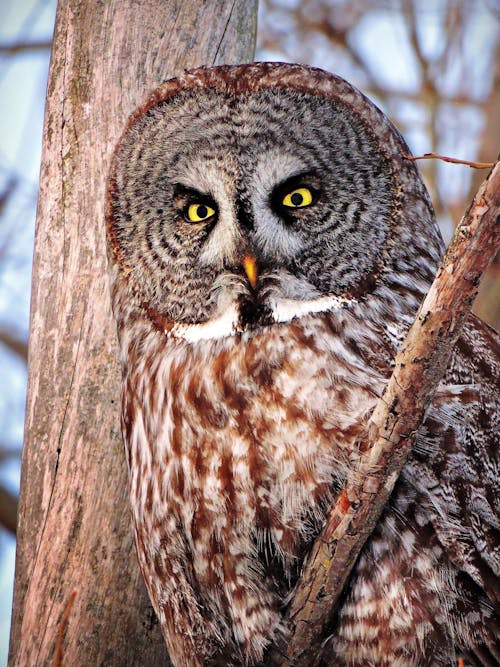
{"x": 282, "y": 311}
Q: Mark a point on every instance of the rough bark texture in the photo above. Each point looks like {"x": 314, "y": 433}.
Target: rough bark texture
{"x": 74, "y": 528}
{"x": 419, "y": 367}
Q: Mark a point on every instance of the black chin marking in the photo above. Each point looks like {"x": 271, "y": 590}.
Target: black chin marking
{"x": 253, "y": 314}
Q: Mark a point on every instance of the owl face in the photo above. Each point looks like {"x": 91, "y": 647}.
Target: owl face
{"x": 236, "y": 208}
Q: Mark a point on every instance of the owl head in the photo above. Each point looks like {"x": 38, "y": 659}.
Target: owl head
{"x": 245, "y": 196}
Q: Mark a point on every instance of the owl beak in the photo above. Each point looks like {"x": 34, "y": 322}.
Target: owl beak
{"x": 250, "y": 266}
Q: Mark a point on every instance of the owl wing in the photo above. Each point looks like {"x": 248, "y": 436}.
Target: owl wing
{"x": 455, "y": 467}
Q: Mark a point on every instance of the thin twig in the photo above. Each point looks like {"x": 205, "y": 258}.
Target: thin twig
{"x": 8, "y": 510}
{"x": 15, "y": 342}
{"x": 419, "y": 366}
{"x": 445, "y": 158}
{"x": 18, "y": 47}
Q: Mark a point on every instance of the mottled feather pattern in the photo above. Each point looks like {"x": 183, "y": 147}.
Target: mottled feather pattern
{"x": 245, "y": 401}
{"x": 440, "y": 533}
{"x": 241, "y": 485}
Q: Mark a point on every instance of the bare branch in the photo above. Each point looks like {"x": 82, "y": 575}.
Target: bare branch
{"x": 7, "y": 453}
{"x": 8, "y": 510}
{"x": 419, "y": 366}
{"x": 445, "y": 158}
{"x": 7, "y": 191}
{"x": 19, "y": 47}
{"x": 15, "y": 343}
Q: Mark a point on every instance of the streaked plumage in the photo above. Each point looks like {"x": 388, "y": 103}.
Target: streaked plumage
{"x": 269, "y": 247}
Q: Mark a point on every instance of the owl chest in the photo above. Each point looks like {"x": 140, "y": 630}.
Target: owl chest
{"x": 255, "y": 432}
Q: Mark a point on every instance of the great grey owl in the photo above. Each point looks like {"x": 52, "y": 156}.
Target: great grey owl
{"x": 269, "y": 247}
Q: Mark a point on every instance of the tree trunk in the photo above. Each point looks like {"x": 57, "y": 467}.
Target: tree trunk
{"x": 74, "y": 534}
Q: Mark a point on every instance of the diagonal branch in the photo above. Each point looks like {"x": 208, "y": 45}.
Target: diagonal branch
{"x": 419, "y": 367}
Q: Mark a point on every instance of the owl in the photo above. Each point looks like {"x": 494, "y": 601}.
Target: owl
{"x": 269, "y": 247}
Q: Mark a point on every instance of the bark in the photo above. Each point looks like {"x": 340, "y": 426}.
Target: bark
{"x": 74, "y": 535}
{"x": 419, "y": 367}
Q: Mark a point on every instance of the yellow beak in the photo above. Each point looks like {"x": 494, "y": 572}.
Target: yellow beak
{"x": 250, "y": 266}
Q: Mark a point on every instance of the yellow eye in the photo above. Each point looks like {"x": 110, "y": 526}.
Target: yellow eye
{"x": 199, "y": 212}
{"x": 298, "y": 198}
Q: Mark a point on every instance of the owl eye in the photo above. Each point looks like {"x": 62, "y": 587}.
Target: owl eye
{"x": 198, "y": 212}
{"x": 298, "y": 198}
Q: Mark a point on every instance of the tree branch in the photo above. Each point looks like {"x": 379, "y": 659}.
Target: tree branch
{"x": 19, "y": 47}
{"x": 445, "y": 158}
{"x": 8, "y": 510}
{"x": 419, "y": 367}
{"x": 15, "y": 343}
